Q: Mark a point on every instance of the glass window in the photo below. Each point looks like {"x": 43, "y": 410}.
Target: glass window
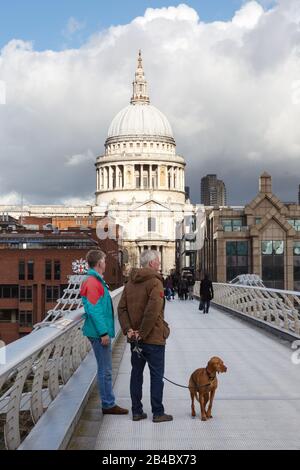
{"x": 258, "y": 220}
{"x": 151, "y": 224}
{"x": 57, "y": 270}
{"x": 30, "y": 270}
{"x": 21, "y": 270}
{"x": 25, "y": 294}
{"x": 230, "y": 248}
{"x": 267, "y": 247}
{"x": 297, "y": 248}
{"x": 52, "y": 293}
{"x": 242, "y": 248}
{"x": 48, "y": 270}
{"x": 295, "y": 223}
{"x": 278, "y": 247}
{"x": 236, "y": 225}
{"x": 25, "y": 318}
{"x": 6, "y": 316}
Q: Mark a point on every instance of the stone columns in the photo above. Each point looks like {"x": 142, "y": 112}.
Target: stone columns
{"x": 150, "y": 177}
{"x": 142, "y": 177}
{"x": 110, "y": 175}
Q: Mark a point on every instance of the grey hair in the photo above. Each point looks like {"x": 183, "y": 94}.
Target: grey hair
{"x": 147, "y": 256}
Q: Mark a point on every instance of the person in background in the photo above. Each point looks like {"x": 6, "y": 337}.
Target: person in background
{"x": 206, "y": 293}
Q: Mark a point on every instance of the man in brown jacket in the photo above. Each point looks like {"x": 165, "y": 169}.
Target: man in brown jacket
{"x": 141, "y": 316}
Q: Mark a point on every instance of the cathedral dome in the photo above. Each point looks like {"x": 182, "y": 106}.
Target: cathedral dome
{"x": 140, "y": 120}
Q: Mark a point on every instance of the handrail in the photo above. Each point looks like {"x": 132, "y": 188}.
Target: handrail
{"x": 277, "y": 307}
{"x": 39, "y": 365}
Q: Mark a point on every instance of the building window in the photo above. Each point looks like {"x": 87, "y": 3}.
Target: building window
{"x": 9, "y": 292}
{"x": 52, "y": 293}
{"x": 25, "y": 294}
{"x": 21, "y": 270}
{"x": 48, "y": 270}
{"x": 257, "y": 220}
{"x": 295, "y": 223}
{"x": 8, "y": 316}
{"x": 62, "y": 287}
{"x": 25, "y": 318}
{"x": 137, "y": 179}
{"x": 232, "y": 225}
{"x": 145, "y": 180}
{"x": 237, "y": 259}
{"x": 57, "y": 270}
{"x": 272, "y": 260}
{"x": 151, "y": 224}
{"x": 297, "y": 266}
{"x": 30, "y": 270}
{"x": 275, "y": 247}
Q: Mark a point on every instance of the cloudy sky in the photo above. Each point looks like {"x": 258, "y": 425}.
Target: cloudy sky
{"x": 226, "y": 74}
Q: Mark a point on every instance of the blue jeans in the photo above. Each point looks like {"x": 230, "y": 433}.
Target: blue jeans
{"x": 103, "y": 356}
{"x": 206, "y": 304}
{"x": 154, "y": 355}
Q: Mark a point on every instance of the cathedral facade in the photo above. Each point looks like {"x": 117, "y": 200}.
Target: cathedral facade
{"x": 140, "y": 181}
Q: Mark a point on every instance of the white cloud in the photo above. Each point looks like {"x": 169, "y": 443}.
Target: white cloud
{"x": 80, "y": 159}
{"x": 12, "y": 199}
{"x": 249, "y": 15}
{"x": 230, "y": 90}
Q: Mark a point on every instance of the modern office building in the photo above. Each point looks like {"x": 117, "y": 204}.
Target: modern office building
{"x": 213, "y": 191}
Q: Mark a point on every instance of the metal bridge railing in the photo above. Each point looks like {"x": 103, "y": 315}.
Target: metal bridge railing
{"x": 39, "y": 365}
{"x": 280, "y": 308}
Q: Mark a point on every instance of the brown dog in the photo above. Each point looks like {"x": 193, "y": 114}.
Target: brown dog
{"x": 203, "y": 385}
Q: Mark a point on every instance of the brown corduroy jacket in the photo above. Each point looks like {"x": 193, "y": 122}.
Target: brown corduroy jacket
{"x": 141, "y": 306}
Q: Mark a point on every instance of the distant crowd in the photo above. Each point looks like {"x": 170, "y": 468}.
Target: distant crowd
{"x": 183, "y": 286}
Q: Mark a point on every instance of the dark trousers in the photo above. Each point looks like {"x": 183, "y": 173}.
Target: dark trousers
{"x": 154, "y": 355}
{"x": 206, "y": 305}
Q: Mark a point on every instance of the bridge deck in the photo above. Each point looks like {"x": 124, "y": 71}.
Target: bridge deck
{"x": 257, "y": 404}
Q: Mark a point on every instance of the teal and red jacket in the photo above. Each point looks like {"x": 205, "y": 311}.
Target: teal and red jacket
{"x": 98, "y": 307}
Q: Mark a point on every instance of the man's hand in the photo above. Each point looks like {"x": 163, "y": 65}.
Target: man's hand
{"x": 130, "y": 333}
{"x": 137, "y": 335}
{"x": 105, "y": 340}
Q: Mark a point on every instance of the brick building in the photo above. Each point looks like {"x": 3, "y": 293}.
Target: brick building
{"x": 34, "y": 270}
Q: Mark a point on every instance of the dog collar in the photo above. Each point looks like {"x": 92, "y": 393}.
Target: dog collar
{"x": 211, "y": 377}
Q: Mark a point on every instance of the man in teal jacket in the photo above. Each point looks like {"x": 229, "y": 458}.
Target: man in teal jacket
{"x": 99, "y": 327}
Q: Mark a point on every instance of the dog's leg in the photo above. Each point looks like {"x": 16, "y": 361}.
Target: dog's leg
{"x": 193, "y": 403}
{"x": 202, "y": 406}
{"x": 206, "y": 398}
{"x": 212, "y": 394}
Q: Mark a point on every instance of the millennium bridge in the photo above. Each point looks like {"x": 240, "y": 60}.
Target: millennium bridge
{"x": 49, "y": 398}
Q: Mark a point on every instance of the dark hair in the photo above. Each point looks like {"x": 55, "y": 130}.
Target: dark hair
{"x": 94, "y": 256}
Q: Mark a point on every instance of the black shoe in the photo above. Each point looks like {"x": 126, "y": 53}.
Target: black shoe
{"x": 162, "y": 418}
{"x": 139, "y": 417}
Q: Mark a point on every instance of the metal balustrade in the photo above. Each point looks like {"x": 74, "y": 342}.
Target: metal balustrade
{"x": 279, "y": 308}
{"x": 39, "y": 365}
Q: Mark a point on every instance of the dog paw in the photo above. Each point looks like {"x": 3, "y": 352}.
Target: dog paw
{"x": 203, "y": 418}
